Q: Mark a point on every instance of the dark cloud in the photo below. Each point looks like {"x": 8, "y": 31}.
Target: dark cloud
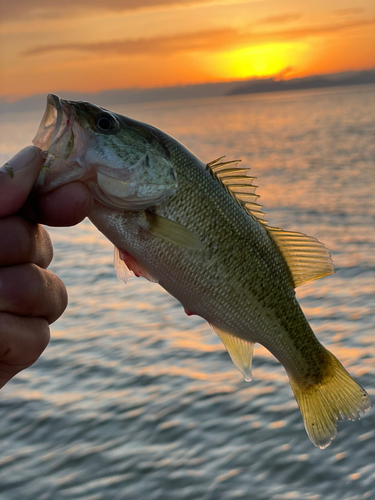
{"x": 11, "y": 10}
{"x": 211, "y": 40}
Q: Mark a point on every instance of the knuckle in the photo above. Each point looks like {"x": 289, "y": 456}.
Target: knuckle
{"x": 32, "y": 291}
{"x": 39, "y": 245}
{"x": 54, "y": 294}
{"x": 24, "y": 242}
{"x": 24, "y": 340}
{"x": 15, "y": 241}
{"x": 40, "y": 339}
{"x": 43, "y": 249}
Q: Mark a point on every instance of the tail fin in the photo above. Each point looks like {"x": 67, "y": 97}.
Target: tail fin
{"x": 322, "y": 404}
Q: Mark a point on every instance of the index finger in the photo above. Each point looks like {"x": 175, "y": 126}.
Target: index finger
{"x": 17, "y": 177}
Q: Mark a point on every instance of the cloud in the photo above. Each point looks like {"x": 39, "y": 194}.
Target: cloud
{"x": 282, "y": 18}
{"x": 313, "y": 31}
{"x": 349, "y": 12}
{"x": 16, "y": 9}
{"x": 205, "y": 41}
{"x": 188, "y": 42}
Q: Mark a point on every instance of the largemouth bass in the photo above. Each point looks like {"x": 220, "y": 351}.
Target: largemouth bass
{"x": 198, "y": 231}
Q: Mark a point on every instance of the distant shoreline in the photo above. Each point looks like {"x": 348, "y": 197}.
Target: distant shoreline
{"x": 303, "y": 84}
{"x": 109, "y": 98}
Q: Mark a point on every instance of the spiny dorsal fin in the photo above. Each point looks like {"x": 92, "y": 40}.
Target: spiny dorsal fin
{"x": 237, "y": 182}
{"x": 307, "y": 258}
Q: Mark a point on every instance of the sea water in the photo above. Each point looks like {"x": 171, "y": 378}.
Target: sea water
{"x": 132, "y": 399}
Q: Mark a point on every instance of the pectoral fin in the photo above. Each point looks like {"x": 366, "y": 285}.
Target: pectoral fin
{"x": 240, "y": 351}
{"x": 171, "y": 231}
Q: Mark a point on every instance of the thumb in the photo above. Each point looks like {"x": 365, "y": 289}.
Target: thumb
{"x": 17, "y": 177}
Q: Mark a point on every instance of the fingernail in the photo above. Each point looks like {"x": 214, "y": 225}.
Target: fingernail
{"x": 21, "y": 160}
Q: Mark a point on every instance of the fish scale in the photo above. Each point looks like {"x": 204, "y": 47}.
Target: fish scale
{"x": 201, "y": 235}
{"x": 273, "y": 319}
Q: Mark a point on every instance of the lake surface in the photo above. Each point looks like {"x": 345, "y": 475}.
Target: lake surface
{"x": 134, "y": 400}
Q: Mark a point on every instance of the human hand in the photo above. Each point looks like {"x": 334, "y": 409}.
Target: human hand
{"x": 31, "y": 296}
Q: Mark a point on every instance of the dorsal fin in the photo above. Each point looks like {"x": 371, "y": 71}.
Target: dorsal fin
{"x": 306, "y": 257}
{"x": 237, "y": 182}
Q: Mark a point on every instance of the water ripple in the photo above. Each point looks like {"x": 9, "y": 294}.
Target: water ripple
{"x": 132, "y": 399}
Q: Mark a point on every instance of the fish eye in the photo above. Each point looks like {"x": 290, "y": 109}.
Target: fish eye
{"x": 105, "y": 123}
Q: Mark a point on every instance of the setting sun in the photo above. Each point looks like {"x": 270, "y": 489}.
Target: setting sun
{"x": 260, "y": 61}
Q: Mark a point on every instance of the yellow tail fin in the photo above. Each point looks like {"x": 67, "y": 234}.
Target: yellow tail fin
{"x": 322, "y": 404}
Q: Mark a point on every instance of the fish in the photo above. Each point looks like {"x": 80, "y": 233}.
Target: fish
{"x": 197, "y": 229}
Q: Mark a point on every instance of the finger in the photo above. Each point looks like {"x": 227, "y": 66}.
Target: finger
{"x": 22, "y": 342}
{"x": 28, "y": 290}
{"x": 65, "y": 206}
{"x": 22, "y": 242}
{"x": 17, "y": 178}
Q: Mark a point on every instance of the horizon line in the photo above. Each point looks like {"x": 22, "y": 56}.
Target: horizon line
{"x": 276, "y": 82}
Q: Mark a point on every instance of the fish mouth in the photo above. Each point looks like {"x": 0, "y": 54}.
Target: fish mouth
{"x": 62, "y": 144}
{"x": 55, "y": 134}
{"x": 50, "y": 123}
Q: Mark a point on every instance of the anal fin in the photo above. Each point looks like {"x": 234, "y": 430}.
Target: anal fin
{"x": 240, "y": 351}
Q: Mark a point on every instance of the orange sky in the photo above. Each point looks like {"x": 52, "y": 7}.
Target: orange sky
{"x": 93, "y": 45}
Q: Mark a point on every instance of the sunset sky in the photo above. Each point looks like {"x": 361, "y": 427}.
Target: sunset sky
{"x": 93, "y": 45}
